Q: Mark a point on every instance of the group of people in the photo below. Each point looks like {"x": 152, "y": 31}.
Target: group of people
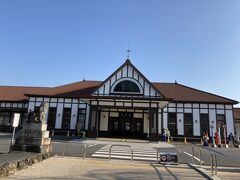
{"x": 217, "y": 139}
{"x": 233, "y": 139}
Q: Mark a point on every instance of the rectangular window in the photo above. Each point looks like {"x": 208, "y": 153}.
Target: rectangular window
{"x": 52, "y": 117}
{"x": 66, "y": 118}
{"x": 81, "y": 118}
{"x": 204, "y": 123}
{"x": 221, "y": 121}
{"x": 172, "y": 123}
{"x": 4, "y": 118}
{"x": 188, "y": 124}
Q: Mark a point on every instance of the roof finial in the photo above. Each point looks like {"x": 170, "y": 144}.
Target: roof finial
{"x": 128, "y": 52}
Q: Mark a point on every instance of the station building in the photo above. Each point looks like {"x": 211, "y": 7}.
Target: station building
{"x": 125, "y": 105}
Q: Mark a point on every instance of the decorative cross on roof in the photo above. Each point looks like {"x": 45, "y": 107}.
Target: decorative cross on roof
{"x": 128, "y": 52}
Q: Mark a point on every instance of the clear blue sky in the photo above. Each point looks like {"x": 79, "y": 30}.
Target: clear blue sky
{"x": 53, "y": 42}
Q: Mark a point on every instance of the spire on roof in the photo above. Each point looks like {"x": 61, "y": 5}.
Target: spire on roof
{"x": 128, "y": 53}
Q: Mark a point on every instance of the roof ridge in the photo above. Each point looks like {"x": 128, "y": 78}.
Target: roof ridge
{"x": 25, "y": 86}
{"x": 77, "y": 82}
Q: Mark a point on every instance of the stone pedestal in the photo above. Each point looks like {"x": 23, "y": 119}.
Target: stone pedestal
{"x": 33, "y": 137}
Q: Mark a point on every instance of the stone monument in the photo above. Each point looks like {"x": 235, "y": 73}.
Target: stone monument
{"x": 34, "y": 137}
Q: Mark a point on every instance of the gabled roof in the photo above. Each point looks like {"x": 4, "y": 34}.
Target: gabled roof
{"x": 128, "y": 63}
{"x": 236, "y": 113}
{"x": 177, "y": 92}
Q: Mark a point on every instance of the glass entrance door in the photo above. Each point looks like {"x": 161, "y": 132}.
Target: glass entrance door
{"x": 126, "y": 126}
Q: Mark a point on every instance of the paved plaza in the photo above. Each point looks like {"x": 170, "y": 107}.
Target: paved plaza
{"x": 144, "y": 156}
{"x": 77, "y": 168}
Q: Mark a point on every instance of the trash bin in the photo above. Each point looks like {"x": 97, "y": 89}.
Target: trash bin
{"x": 168, "y": 158}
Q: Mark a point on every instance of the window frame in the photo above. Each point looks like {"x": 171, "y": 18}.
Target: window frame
{"x": 125, "y": 92}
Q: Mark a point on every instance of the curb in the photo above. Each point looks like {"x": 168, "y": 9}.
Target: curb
{"x": 203, "y": 172}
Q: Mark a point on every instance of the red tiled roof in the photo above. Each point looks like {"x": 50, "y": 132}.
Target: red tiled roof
{"x": 236, "y": 113}
{"x": 17, "y": 93}
{"x": 179, "y": 92}
{"x": 174, "y": 91}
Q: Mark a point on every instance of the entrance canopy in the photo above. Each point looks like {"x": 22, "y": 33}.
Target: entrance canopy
{"x": 127, "y": 102}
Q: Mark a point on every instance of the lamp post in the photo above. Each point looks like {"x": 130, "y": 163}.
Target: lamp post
{"x": 225, "y": 135}
{"x": 213, "y": 142}
{"x": 219, "y": 136}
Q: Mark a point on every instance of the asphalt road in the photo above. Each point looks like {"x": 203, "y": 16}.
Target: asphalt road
{"x": 70, "y": 147}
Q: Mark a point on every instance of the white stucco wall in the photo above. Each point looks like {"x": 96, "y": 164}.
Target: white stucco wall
{"x": 229, "y": 121}
{"x": 74, "y": 115}
{"x": 58, "y": 124}
{"x": 146, "y": 123}
{"x": 196, "y": 122}
{"x": 104, "y": 121}
{"x": 180, "y": 123}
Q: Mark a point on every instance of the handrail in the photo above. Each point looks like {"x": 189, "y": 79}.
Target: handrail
{"x": 123, "y": 145}
{"x": 180, "y": 154}
{"x": 85, "y": 149}
{"x": 213, "y": 160}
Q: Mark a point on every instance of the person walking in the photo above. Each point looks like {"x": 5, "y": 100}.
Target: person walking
{"x": 205, "y": 139}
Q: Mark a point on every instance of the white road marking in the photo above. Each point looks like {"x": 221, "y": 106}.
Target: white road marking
{"x": 192, "y": 156}
{"x": 146, "y": 154}
{"x": 92, "y": 145}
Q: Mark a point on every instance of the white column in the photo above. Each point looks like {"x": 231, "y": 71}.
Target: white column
{"x": 58, "y": 124}
{"x": 165, "y": 120}
{"x": 87, "y": 116}
{"x": 229, "y": 122}
{"x": 212, "y": 119}
{"x": 74, "y": 116}
{"x": 159, "y": 122}
{"x": 146, "y": 123}
{"x": 180, "y": 123}
{"x": 196, "y": 122}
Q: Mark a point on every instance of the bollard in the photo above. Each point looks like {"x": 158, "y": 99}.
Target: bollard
{"x": 68, "y": 134}
{"x": 185, "y": 140}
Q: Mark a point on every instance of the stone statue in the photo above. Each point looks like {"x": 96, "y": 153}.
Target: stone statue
{"x": 37, "y": 116}
{"x": 43, "y": 112}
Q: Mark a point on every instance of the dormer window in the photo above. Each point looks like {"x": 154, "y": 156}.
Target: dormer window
{"x": 126, "y": 86}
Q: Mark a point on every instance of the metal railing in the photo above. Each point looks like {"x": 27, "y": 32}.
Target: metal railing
{"x": 84, "y": 145}
{"x": 180, "y": 155}
{"x": 193, "y": 155}
{"x": 213, "y": 160}
{"x": 123, "y": 145}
